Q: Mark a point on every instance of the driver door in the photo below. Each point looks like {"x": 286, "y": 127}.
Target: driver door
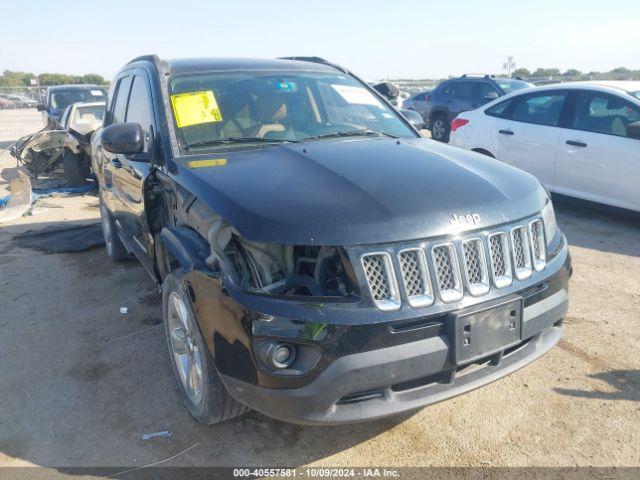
{"x": 132, "y": 171}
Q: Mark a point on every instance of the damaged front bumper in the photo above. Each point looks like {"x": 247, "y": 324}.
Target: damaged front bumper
{"x": 371, "y": 370}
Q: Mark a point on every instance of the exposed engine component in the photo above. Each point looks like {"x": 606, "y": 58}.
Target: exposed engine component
{"x": 282, "y": 269}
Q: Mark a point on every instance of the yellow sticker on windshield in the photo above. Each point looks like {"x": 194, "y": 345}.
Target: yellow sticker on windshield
{"x": 211, "y": 162}
{"x": 194, "y": 108}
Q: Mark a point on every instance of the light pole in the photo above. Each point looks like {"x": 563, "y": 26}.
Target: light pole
{"x": 509, "y": 65}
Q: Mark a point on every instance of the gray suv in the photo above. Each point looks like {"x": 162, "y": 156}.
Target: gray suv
{"x": 458, "y": 95}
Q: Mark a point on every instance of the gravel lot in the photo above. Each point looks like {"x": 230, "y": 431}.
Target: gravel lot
{"x": 82, "y": 383}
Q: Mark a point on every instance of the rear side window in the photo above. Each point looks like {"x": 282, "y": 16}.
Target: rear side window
{"x": 119, "y": 104}
{"x": 604, "y": 113}
{"x": 500, "y": 110}
{"x": 539, "y": 109}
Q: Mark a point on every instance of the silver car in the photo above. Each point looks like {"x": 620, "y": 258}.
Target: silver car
{"x": 418, "y": 102}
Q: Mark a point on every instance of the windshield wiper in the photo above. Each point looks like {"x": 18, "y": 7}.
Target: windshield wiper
{"x": 354, "y": 133}
{"x": 238, "y": 140}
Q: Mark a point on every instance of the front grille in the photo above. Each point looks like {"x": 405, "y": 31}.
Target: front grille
{"x": 521, "y": 253}
{"x": 447, "y": 272}
{"x": 415, "y": 277}
{"x": 538, "y": 245}
{"x": 380, "y": 276}
{"x": 475, "y": 266}
{"x": 500, "y": 260}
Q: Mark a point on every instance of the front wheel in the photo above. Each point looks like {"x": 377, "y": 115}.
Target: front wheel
{"x": 204, "y": 395}
{"x": 440, "y": 129}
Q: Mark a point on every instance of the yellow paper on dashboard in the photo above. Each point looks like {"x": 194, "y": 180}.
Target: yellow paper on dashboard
{"x": 194, "y": 108}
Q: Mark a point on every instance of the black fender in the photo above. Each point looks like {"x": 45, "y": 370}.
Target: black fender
{"x": 187, "y": 246}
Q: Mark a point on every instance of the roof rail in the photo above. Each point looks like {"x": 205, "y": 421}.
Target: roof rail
{"x": 153, "y": 58}
{"x": 160, "y": 65}
{"x": 319, "y": 60}
{"x": 474, "y": 75}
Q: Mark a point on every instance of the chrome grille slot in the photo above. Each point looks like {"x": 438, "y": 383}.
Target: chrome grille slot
{"x": 415, "y": 277}
{"x": 447, "y": 272}
{"x": 500, "y": 260}
{"x": 538, "y": 245}
{"x": 381, "y": 280}
{"x": 475, "y": 266}
{"x": 521, "y": 252}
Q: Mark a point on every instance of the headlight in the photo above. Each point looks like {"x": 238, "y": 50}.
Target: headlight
{"x": 549, "y": 219}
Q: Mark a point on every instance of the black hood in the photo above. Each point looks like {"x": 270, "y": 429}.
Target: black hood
{"x": 360, "y": 191}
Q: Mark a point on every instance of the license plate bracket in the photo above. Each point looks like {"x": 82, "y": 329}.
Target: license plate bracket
{"x": 482, "y": 332}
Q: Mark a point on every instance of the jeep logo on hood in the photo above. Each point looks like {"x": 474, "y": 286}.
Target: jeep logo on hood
{"x": 470, "y": 219}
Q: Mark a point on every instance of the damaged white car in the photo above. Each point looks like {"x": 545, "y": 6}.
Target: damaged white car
{"x": 63, "y": 152}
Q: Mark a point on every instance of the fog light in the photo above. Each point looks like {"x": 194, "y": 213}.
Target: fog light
{"x": 277, "y": 355}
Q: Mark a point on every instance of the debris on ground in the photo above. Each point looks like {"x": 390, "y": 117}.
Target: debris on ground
{"x": 164, "y": 433}
{"x": 124, "y": 310}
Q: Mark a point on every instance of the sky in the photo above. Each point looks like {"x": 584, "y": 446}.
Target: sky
{"x": 375, "y": 39}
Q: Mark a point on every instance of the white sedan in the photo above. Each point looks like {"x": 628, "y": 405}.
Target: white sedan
{"x": 580, "y": 139}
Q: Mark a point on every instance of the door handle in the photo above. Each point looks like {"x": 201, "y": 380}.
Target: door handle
{"x": 576, "y": 143}
{"x": 116, "y": 163}
{"x": 505, "y": 132}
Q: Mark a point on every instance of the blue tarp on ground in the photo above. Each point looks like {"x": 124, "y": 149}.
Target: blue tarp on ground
{"x": 43, "y": 192}
{"x": 4, "y": 200}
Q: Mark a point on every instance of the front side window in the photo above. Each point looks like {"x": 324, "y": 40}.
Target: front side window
{"x": 636, "y": 94}
{"x": 540, "y": 109}
{"x": 484, "y": 90}
{"x": 225, "y": 109}
{"x": 463, "y": 90}
{"x": 139, "y": 109}
{"x": 119, "y": 104}
{"x": 604, "y": 113}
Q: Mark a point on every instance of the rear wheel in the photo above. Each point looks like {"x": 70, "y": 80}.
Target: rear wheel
{"x": 440, "y": 129}
{"x": 115, "y": 248}
{"x": 204, "y": 395}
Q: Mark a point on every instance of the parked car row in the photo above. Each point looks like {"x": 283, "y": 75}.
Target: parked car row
{"x": 579, "y": 139}
{"x": 8, "y": 101}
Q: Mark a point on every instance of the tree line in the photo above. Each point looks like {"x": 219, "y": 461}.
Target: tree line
{"x": 18, "y": 79}
{"x": 620, "y": 73}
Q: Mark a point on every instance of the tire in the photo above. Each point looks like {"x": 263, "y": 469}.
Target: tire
{"x": 440, "y": 129}
{"x": 115, "y": 248}
{"x": 76, "y": 170}
{"x": 203, "y": 393}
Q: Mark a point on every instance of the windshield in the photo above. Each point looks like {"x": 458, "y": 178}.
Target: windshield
{"x": 636, "y": 94}
{"x": 509, "y": 85}
{"x": 89, "y": 114}
{"x": 230, "y": 109}
{"x": 63, "y": 98}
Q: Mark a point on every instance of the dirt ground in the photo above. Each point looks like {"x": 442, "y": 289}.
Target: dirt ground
{"x": 81, "y": 383}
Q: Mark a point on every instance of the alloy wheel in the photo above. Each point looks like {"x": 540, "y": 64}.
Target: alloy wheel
{"x": 184, "y": 348}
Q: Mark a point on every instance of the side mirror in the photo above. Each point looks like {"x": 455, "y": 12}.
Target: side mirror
{"x": 41, "y": 107}
{"x": 491, "y": 96}
{"x": 413, "y": 117}
{"x": 633, "y": 130}
{"x": 123, "y": 138}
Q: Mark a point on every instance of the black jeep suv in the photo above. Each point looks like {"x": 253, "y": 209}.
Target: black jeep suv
{"x": 457, "y": 95}
{"x": 319, "y": 261}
